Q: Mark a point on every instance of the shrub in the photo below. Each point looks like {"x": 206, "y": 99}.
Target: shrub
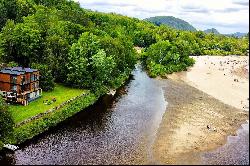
{"x": 6, "y": 121}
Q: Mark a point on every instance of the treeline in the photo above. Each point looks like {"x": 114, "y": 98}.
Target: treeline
{"x": 66, "y": 43}
{"x": 92, "y": 50}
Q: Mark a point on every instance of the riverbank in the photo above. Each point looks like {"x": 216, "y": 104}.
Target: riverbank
{"x": 42, "y": 121}
{"x": 196, "y": 120}
{"x": 223, "y": 77}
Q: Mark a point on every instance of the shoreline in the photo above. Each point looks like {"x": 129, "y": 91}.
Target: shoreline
{"x": 196, "y": 121}
{"x": 183, "y": 134}
{"x": 34, "y": 128}
{"x": 223, "y": 77}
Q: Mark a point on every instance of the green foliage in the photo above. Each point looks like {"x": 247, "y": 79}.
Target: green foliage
{"x": 166, "y": 57}
{"x": 1, "y": 145}
{"x": 6, "y": 121}
{"x": 55, "y": 33}
{"x": 94, "y": 62}
{"x": 103, "y": 67}
{"x": 60, "y": 93}
{"x": 79, "y": 60}
{"x": 15, "y": 10}
{"x": 40, "y": 125}
{"x": 22, "y": 43}
{"x": 144, "y": 36}
{"x": 3, "y": 15}
{"x": 12, "y": 64}
{"x": 46, "y": 78}
{"x": 9, "y": 9}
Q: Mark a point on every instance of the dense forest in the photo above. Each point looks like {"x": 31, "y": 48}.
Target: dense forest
{"x": 171, "y": 22}
{"x": 87, "y": 49}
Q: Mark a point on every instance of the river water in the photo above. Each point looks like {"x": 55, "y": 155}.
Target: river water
{"x": 113, "y": 131}
{"x": 117, "y": 130}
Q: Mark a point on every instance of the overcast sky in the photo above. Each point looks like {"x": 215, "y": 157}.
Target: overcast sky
{"x": 227, "y": 16}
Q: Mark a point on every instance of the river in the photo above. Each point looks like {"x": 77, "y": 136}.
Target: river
{"x": 116, "y": 130}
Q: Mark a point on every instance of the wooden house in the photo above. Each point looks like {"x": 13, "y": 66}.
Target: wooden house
{"x": 20, "y": 85}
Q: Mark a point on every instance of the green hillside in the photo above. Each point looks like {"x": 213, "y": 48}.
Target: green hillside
{"x": 172, "y": 22}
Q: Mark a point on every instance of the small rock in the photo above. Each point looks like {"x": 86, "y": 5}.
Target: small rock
{"x": 208, "y": 127}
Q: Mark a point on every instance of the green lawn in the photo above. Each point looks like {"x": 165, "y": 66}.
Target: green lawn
{"x": 61, "y": 93}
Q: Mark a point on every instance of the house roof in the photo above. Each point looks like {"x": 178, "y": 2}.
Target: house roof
{"x": 17, "y": 70}
{"x": 11, "y": 72}
{"x": 29, "y": 70}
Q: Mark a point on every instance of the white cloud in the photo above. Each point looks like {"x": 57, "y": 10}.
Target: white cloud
{"x": 227, "y": 16}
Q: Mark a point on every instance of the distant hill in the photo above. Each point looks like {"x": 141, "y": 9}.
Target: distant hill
{"x": 238, "y": 34}
{"x": 172, "y": 22}
{"x": 212, "y": 30}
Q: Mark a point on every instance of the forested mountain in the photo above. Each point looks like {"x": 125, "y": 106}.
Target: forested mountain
{"x": 212, "y": 30}
{"x": 172, "y": 22}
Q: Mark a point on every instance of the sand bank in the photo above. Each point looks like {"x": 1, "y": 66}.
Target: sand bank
{"x": 223, "y": 77}
{"x": 205, "y": 105}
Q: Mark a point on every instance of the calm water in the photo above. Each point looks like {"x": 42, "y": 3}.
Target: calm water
{"x": 119, "y": 130}
{"x": 114, "y": 131}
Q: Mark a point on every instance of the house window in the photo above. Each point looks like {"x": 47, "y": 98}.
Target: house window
{"x": 13, "y": 79}
{"x": 31, "y": 77}
{"x": 14, "y": 88}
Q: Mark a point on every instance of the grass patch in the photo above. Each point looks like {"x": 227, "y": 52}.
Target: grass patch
{"x": 61, "y": 93}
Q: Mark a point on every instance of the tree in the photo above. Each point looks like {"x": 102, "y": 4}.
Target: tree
{"x": 3, "y": 15}
{"x": 46, "y": 77}
{"x": 79, "y": 60}
{"x": 15, "y": 10}
{"x": 103, "y": 67}
{"x": 22, "y": 43}
{"x": 167, "y": 57}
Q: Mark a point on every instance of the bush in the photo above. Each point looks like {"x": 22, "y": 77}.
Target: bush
{"x": 6, "y": 121}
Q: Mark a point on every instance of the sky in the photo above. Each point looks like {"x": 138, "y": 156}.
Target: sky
{"x": 227, "y": 16}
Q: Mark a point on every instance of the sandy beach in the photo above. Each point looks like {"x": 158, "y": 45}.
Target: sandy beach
{"x": 223, "y": 77}
{"x": 206, "y": 104}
